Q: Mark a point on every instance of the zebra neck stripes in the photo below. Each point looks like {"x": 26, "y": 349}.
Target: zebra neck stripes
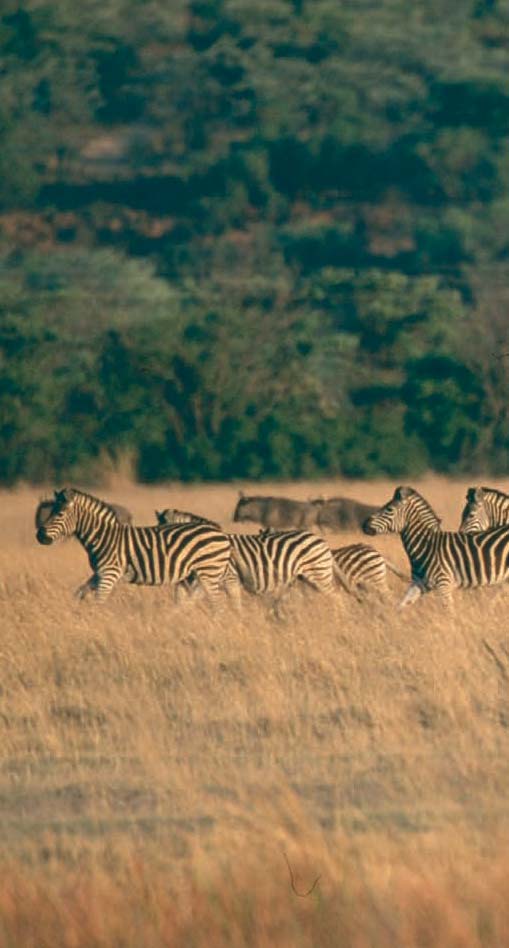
{"x": 485, "y": 508}
{"x": 420, "y": 529}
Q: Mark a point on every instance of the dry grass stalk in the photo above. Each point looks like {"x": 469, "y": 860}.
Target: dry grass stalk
{"x": 156, "y": 763}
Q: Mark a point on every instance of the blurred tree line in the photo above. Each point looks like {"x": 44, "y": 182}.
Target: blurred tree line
{"x": 248, "y": 239}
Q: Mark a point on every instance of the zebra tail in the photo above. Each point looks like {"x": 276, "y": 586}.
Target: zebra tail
{"x": 342, "y": 579}
{"x": 394, "y": 569}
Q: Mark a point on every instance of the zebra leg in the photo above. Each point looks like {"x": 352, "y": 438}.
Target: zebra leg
{"x": 397, "y": 572}
{"x": 321, "y": 580}
{"x": 210, "y": 584}
{"x": 368, "y": 591}
{"x": 380, "y": 587}
{"x": 342, "y": 579}
{"x": 412, "y": 594}
{"x": 186, "y": 590}
{"x": 105, "y": 581}
{"x": 444, "y": 593}
{"x": 231, "y": 583}
{"x": 276, "y": 603}
{"x": 90, "y": 586}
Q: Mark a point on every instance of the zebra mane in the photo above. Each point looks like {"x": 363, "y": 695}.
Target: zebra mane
{"x": 98, "y": 503}
{"x": 402, "y": 493}
{"x": 493, "y": 493}
{"x": 47, "y": 505}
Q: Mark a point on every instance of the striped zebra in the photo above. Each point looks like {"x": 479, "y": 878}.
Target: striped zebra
{"x": 440, "y": 561}
{"x": 172, "y": 515}
{"x": 485, "y": 508}
{"x": 143, "y": 555}
{"x": 362, "y": 568}
{"x": 270, "y": 561}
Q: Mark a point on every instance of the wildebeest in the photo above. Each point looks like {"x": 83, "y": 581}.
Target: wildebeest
{"x": 341, "y": 513}
{"x": 277, "y": 512}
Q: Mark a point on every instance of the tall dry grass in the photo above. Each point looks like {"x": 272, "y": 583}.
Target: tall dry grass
{"x": 171, "y": 777}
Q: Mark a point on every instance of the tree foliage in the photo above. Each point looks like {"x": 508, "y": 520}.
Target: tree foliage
{"x": 248, "y": 240}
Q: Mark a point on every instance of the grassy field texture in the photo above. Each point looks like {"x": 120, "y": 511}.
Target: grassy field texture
{"x": 169, "y": 777}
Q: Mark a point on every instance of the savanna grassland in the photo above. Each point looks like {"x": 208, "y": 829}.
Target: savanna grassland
{"x": 170, "y": 777}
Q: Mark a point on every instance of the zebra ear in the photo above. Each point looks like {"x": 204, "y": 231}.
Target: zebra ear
{"x": 241, "y": 493}
{"x": 401, "y": 493}
{"x": 159, "y": 516}
{"x": 474, "y": 493}
{"x": 65, "y": 495}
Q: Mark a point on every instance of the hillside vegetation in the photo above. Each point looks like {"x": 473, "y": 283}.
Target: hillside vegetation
{"x": 164, "y": 772}
{"x": 253, "y": 239}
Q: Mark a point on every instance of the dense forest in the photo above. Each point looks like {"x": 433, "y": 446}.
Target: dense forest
{"x": 253, "y": 239}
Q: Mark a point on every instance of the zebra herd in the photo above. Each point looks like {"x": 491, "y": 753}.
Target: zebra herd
{"x": 194, "y": 554}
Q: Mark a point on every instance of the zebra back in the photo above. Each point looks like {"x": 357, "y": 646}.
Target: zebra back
{"x": 273, "y": 559}
{"x": 171, "y": 515}
{"x": 362, "y": 565}
{"x": 267, "y": 567}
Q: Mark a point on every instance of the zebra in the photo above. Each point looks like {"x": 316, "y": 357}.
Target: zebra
{"x": 440, "y": 561}
{"x": 270, "y": 561}
{"x": 362, "y": 569}
{"x": 485, "y": 508}
{"x": 172, "y": 515}
{"x": 142, "y": 555}
{"x": 44, "y": 511}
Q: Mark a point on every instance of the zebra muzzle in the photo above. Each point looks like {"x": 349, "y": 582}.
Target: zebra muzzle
{"x": 42, "y": 537}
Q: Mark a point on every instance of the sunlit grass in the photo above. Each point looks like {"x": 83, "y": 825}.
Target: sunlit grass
{"x": 158, "y": 766}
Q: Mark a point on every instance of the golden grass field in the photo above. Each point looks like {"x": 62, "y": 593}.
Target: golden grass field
{"x": 164, "y": 772}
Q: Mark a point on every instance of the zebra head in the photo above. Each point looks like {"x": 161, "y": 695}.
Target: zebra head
{"x": 43, "y": 512}
{"x": 61, "y": 519}
{"x": 475, "y": 516}
{"x": 393, "y": 516}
